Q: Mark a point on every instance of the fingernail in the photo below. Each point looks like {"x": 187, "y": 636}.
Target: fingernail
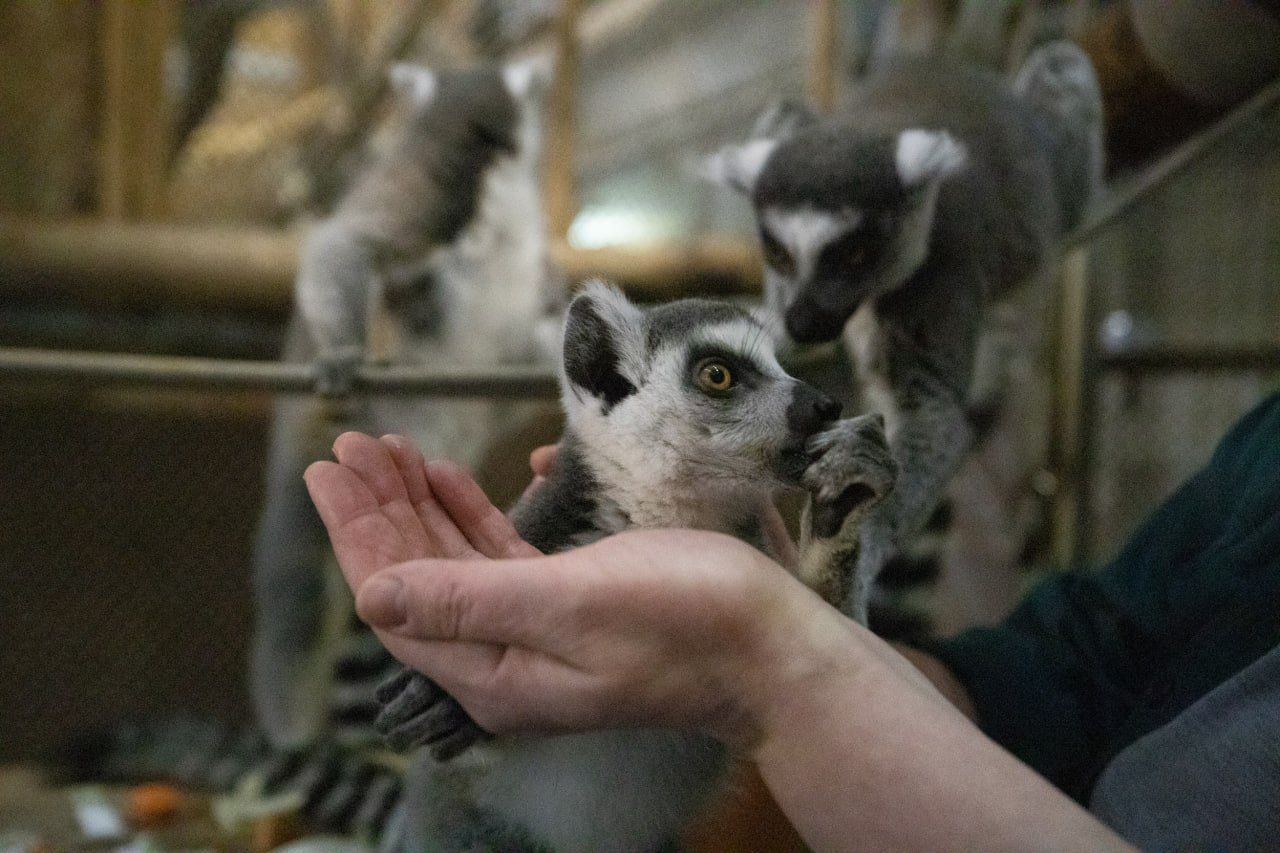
{"x": 381, "y": 601}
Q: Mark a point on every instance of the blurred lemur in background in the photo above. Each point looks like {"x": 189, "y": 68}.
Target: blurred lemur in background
{"x": 442, "y": 231}
{"x": 678, "y": 416}
{"x": 893, "y": 225}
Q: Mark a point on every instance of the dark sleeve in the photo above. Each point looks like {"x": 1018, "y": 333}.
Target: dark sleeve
{"x": 1066, "y": 672}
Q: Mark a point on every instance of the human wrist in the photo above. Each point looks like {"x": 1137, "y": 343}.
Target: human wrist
{"x": 941, "y": 677}
{"x": 795, "y": 673}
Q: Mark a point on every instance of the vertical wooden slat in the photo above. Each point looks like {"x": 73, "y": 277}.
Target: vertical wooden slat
{"x": 559, "y": 190}
{"x": 135, "y": 120}
{"x": 1071, "y": 442}
{"x": 824, "y": 55}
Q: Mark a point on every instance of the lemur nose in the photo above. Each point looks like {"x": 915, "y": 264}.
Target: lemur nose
{"x": 827, "y": 408}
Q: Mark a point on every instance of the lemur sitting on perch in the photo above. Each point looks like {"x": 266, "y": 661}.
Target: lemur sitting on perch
{"x": 893, "y": 225}
{"x": 678, "y": 416}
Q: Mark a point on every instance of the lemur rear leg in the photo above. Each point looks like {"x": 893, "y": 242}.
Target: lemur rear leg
{"x": 418, "y": 712}
{"x": 853, "y": 470}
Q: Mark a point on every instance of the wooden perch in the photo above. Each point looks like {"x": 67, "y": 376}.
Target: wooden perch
{"x": 252, "y": 270}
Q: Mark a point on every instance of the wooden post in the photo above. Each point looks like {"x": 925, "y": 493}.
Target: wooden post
{"x": 824, "y": 55}
{"x": 1074, "y": 389}
{"x": 560, "y": 201}
{"x": 134, "y": 146}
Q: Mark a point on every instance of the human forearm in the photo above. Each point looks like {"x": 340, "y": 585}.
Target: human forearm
{"x": 871, "y": 756}
{"x": 942, "y": 678}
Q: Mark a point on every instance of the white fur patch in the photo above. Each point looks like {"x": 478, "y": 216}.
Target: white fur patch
{"x": 738, "y": 166}
{"x": 744, "y": 337}
{"x": 414, "y": 82}
{"x": 923, "y": 155}
{"x": 524, "y": 76}
{"x": 805, "y": 232}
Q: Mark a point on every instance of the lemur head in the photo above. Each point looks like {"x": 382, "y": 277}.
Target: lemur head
{"x": 844, "y": 214}
{"x": 494, "y": 107}
{"x": 685, "y": 393}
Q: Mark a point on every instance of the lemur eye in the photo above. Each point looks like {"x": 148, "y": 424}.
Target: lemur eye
{"x": 714, "y": 376}
{"x": 775, "y": 254}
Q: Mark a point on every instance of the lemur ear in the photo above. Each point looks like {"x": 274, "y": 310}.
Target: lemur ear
{"x": 414, "y": 83}
{"x": 527, "y": 77}
{"x": 738, "y": 166}
{"x": 603, "y": 335}
{"x": 922, "y": 156}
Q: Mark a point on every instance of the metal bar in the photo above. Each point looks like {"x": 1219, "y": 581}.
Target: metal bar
{"x": 1156, "y": 359}
{"x": 516, "y": 382}
{"x": 1116, "y": 204}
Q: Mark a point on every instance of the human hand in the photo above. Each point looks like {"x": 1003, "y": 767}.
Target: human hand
{"x": 383, "y": 504}
{"x": 677, "y": 629}
{"x": 382, "y": 490}
{"x": 671, "y": 628}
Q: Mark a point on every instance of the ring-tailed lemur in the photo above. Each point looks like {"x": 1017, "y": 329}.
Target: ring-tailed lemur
{"x": 443, "y": 226}
{"x": 679, "y": 416}
{"x": 937, "y": 188}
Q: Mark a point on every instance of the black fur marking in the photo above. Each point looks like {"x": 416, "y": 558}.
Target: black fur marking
{"x": 437, "y": 168}
{"x": 590, "y": 357}
{"x": 414, "y": 296}
{"x": 561, "y": 509}
{"x": 810, "y": 410}
{"x": 828, "y": 518}
{"x": 842, "y": 167}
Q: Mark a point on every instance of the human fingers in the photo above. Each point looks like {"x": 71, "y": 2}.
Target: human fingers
{"x": 448, "y": 540}
{"x": 485, "y": 526}
{"x": 372, "y": 462}
{"x": 542, "y": 458}
{"x": 363, "y": 537}
{"x": 409, "y": 462}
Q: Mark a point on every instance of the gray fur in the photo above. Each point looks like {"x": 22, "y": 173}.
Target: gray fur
{"x": 957, "y": 187}
{"x": 443, "y": 229}
{"x": 666, "y": 453}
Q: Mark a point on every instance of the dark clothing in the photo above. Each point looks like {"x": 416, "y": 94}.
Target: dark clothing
{"x": 1089, "y": 664}
{"x": 1209, "y": 780}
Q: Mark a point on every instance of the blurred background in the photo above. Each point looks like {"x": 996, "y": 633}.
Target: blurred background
{"x": 159, "y": 161}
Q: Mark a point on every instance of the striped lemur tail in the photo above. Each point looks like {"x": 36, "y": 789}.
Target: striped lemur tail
{"x": 342, "y": 789}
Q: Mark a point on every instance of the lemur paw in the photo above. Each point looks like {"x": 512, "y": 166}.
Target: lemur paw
{"x": 851, "y": 470}
{"x": 418, "y": 712}
{"x": 335, "y": 371}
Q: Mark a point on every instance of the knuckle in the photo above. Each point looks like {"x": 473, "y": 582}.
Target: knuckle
{"x": 448, "y": 608}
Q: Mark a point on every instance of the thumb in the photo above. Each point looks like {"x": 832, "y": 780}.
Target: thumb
{"x": 516, "y": 601}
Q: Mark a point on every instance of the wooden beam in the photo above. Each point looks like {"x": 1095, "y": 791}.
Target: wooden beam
{"x": 252, "y": 269}
{"x": 134, "y": 146}
{"x": 823, "y": 55}
{"x": 558, "y": 184}
{"x": 96, "y": 263}
{"x": 723, "y": 267}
